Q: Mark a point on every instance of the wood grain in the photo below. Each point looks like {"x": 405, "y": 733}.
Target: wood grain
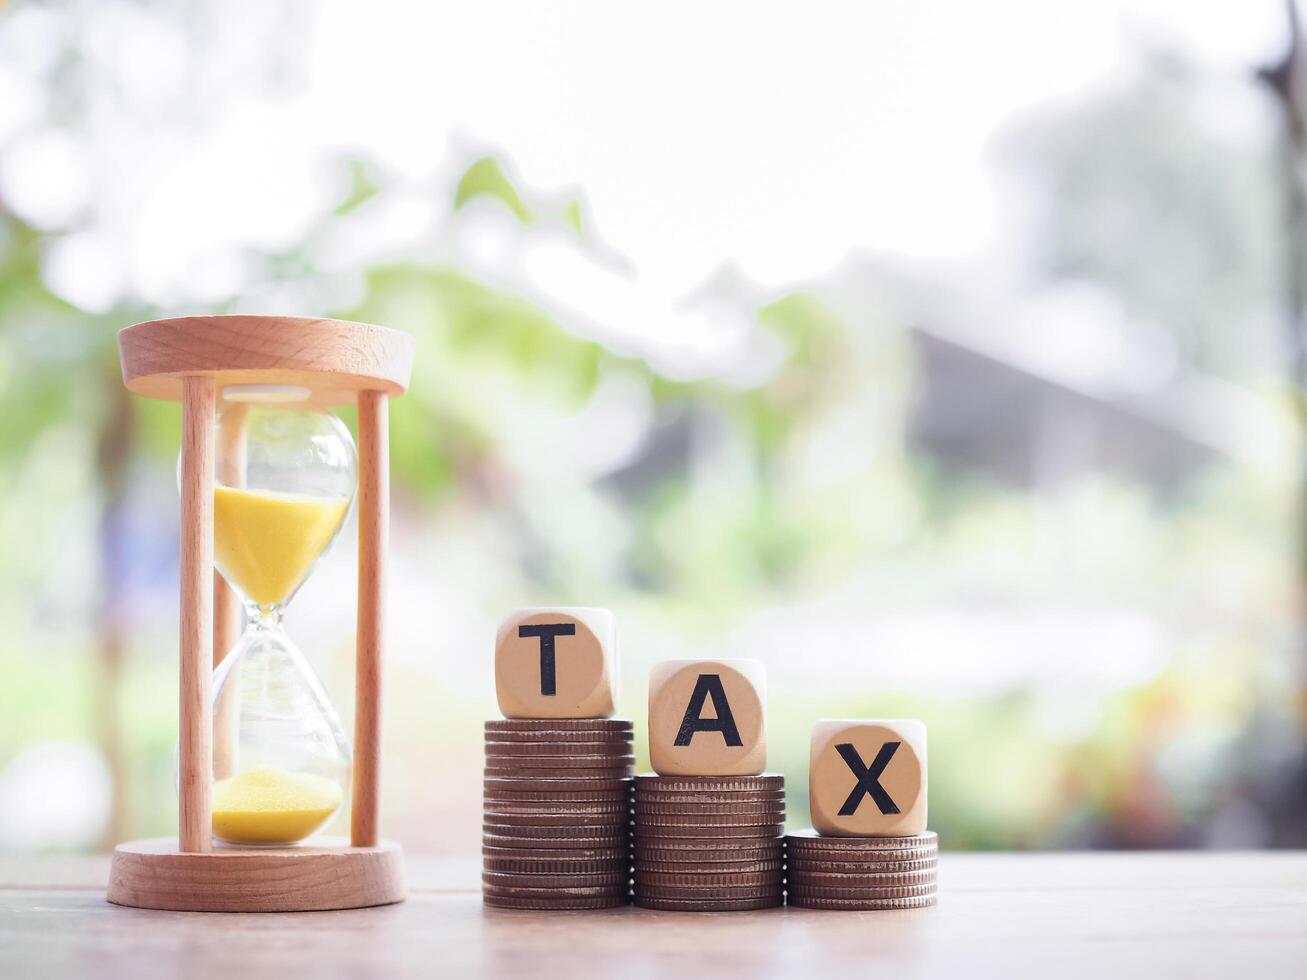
{"x": 154, "y": 874}
{"x": 1192, "y": 915}
{"x": 374, "y": 531}
{"x": 195, "y": 750}
{"x": 227, "y": 615}
{"x": 335, "y": 358}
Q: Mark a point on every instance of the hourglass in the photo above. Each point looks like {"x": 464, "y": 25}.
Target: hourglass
{"x": 267, "y": 476}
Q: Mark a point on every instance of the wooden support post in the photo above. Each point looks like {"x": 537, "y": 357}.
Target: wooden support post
{"x": 374, "y": 530}
{"x": 195, "y": 752}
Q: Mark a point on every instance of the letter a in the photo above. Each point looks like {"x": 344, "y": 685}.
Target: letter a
{"x": 708, "y": 685}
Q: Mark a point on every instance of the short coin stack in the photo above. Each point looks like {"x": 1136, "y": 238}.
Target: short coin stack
{"x": 557, "y": 813}
{"x": 709, "y": 843}
{"x": 861, "y": 872}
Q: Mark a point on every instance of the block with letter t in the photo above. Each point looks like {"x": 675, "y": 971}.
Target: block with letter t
{"x": 867, "y": 778}
{"x": 556, "y": 663}
{"x": 708, "y": 718}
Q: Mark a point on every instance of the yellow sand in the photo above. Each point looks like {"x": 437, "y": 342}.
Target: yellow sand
{"x": 269, "y": 805}
{"x": 264, "y": 542}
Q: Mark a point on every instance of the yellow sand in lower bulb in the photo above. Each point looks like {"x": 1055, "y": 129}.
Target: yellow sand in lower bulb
{"x": 270, "y": 805}
{"x": 264, "y": 542}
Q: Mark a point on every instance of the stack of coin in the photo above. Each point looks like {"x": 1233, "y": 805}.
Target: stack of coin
{"x": 861, "y": 872}
{"x": 709, "y": 843}
{"x": 557, "y": 814}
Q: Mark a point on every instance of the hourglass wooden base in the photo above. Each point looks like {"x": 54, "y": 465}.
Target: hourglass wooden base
{"x": 155, "y": 874}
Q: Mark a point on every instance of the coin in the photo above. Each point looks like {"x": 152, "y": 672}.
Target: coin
{"x": 707, "y": 852}
{"x": 862, "y": 904}
{"x": 578, "y": 761}
{"x": 706, "y": 879}
{"x": 558, "y": 866}
{"x": 713, "y": 893}
{"x": 563, "y": 826}
{"x": 807, "y": 866}
{"x": 812, "y": 840}
{"x": 536, "y": 749}
{"x": 823, "y": 879}
{"x": 769, "y": 807}
{"x": 544, "y": 785}
{"x": 536, "y": 725}
{"x": 501, "y": 879}
{"x": 512, "y": 772}
{"x": 556, "y": 904}
{"x": 611, "y": 852}
{"x": 760, "y": 832}
{"x": 899, "y": 891}
{"x": 581, "y": 891}
{"x": 707, "y": 905}
{"x": 717, "y": 784}
{"x": 553, "y": 843}
{"x": 714, "y": 867}
{"x": 540, "y": 810}
{"x": 708, "y": 819}
{"x": 555, "y": 737}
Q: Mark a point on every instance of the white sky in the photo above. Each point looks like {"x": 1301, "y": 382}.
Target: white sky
{"x": 776, "y": 137}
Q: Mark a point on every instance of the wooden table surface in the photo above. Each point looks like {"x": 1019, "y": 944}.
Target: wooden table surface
{"x": 1066, "y": 915}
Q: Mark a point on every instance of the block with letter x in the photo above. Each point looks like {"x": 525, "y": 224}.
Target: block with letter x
{"x": 868, "y": 778}
{"x": 556, "y": 663}
{"x": 708, "y": 718}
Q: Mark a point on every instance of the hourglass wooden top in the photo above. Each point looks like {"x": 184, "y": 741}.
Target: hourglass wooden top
{"x": 335, "y": 359}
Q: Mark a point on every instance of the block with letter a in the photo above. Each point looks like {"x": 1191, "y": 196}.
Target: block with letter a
{"x": 867, "y": 778}
{"x": 708, "y": 718}
{"x": 556, "y": 663}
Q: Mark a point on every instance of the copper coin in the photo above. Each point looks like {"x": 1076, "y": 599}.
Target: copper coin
{"x": 812, "y": 840}
{"x": 757, "y": 832}
{"x": 709, "y": 819}
{"x": 566, "y": 826}
{"x": 707, "y": 879}
{"x": 711, "y": 852}
{"x": 607, "y": 879}
{"x": 535, "y": 749}
{"x": 542, "y": 785}
{"x": 559, "y": 738}
{"x": 705, "y": 905}
{"x": 572, "y": 891}
{"x": 862, "y": 904}
{"x": 553, "y": 843}
{"x": 711, "y": 868}
{"x": 589, "y": 760}
{"x": 559, "y": 794}
{"x": 544, "y": 903}
{"x": 695, "y": 803}
{"x": 559, "y": 724}
{"x": 557, "y": 808}
{"x": 709, "y": 892}
{"x": 897, "y": 891}
{"x": 715, "y": 784}
{"x": 808, "y": 866}
{"x": 769, "y": 807}
{"x": 611, "y": 852}
{"x": 554, "y": 867}
{"x": 823, "y": 879}
{"x": 572, "y": 775}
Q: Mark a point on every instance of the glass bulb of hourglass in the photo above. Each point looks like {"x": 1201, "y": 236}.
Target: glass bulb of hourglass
{"x": 286, "y": 477}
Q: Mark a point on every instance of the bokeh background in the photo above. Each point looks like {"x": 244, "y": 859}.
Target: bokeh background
{"x": 946, "y": 357}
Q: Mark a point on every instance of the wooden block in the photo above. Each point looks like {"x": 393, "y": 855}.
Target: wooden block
{"x": 708, "y": 718}
{"x": 556, "y": 663}
{"x": 868, "y": 778}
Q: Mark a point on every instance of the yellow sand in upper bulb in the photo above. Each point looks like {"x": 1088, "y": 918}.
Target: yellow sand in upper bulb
{"x": 270, "y": 805}
{"x": 264, "y": 542}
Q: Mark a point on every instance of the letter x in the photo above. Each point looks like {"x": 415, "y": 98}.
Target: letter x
{"x": 868, "y": 778}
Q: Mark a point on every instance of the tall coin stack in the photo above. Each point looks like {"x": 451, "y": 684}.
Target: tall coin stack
{"x": 557, "y": 813}
{"x": 862, "y": 872}
{"x": 709, "y": 843}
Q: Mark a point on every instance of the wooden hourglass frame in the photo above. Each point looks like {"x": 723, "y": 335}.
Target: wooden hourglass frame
{"x": 190, "y": 360}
